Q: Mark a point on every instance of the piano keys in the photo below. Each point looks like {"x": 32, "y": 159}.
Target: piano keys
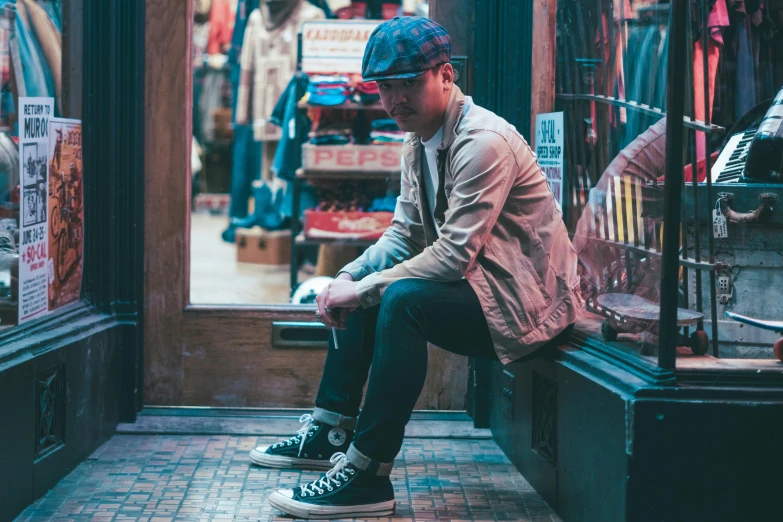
{"x": 731, "y": 162}
{"x": 756, "y": 154}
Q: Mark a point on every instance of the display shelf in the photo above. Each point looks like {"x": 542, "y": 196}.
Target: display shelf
{"x": 343, "y": 106}
{"x": 354, "y": 171}
{"x": 646, "y": 109}
{"x": 301, "y": 240}
{"x": 687, "y": 262}
{"x": 347, "y": 174}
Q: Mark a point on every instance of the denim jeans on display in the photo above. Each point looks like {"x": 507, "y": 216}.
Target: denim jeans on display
{"x": 33, "y": 71}
{"x": 245, "y": 168}
{"x": 393, "y": 339}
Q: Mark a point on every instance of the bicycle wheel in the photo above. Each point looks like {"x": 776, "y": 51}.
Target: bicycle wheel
{"x": 55, "y": 221}
{"x": 62, "y": 251}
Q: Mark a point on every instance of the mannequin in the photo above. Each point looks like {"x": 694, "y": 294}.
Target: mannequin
{"x": 267, "y": 63}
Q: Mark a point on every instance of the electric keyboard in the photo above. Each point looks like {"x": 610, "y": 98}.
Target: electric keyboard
{"x": 731, "y": 161}
{"x": 756, "y": 154}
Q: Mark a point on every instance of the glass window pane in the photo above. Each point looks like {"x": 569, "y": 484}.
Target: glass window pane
{"x": 611, "y": 86}
{"x": 735, "y": 74}
{"x": 41, "y": 213}
{"x": 256, "y": 123}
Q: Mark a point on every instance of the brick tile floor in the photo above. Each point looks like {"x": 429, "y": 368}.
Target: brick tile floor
{"x": 157, "y": 478}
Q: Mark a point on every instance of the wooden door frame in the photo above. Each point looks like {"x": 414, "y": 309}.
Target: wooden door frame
{"x": 189, "y": 350}
{"x": 169, "y": 318}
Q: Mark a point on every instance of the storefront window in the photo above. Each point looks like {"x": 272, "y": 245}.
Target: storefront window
{"x": 295, "y": 164}
{"x": 731, "y": 217}
{"x": 612, "y": 88}
{"x": 41, "y": 212}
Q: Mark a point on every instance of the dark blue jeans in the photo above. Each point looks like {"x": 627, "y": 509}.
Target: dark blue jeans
{"x": 392, "y": 339}
{"x": 245, "y": 168}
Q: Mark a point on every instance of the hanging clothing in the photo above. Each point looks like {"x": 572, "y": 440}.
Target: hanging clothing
{"x": 717, "y": 21}
{"x": 610, "y": 39}
{"x": 9, "y": 167}
{"x": 324, "y": 5}
{"x": 294, "y": 125}
{"x": 54, "y": 11}
{"x": 244, "y": 8}
{"x": 745, "y": 86}
{"x": 212, "y": 88}
{"x": 295, "y": 128}
{"x": 31, "y": 70}
{"x": 221, "y": 25}
{"x": 771, "y": 50}
{"x": 713, "y": 57}
{"x": 278, "y": 12}
{"x": 268, "y": 61}
{"x": 245, "y": 168}
{"x": 202, "y": 7}
{"x": 646, "y": 62}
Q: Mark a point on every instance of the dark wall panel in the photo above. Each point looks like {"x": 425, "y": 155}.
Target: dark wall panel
{"x": 65, "y": 404}
{"x": 716, "y": 461}
{"x": 592, "y": 458}
{"x": 93, "y": 371}
{"x": 17, "y": 439}
{"x": 523, "y": 428}
{"x": 566, "y": 435}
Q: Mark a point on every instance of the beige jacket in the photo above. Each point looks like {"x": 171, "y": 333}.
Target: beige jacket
{"x": 500, "y": 229}
{"x": 267, "y": 64}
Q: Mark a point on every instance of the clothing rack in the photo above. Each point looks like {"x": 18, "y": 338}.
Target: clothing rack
{"x": 592, "y": 87}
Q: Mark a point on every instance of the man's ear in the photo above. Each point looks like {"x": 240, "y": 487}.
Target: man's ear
{"x": 447, "y": 75}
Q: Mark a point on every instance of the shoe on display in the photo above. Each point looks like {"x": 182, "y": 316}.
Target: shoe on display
{"x": 343, "y": 492}
{"x": 311, "y": 448}
{"x": 267, "y": 212}
{"x": 229, "y": 235}
{"x": 9, "y": 258}
{"x": 272, "y": 218}
{"x": 262, "y": 200}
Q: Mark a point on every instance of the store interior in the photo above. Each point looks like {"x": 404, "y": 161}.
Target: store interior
{"x": 612, "y": 80}
{"x": 266, "y": 138}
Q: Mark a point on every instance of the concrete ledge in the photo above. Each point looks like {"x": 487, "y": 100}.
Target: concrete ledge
{"x": 282, "y": 426}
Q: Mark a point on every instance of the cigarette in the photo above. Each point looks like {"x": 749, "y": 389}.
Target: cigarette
{"x": 334, "y": 336}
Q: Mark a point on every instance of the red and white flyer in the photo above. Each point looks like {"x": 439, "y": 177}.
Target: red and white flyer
{"x": 35, "y": 114}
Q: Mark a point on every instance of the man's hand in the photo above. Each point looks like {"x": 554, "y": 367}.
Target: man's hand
{"x": 337, "y": 300}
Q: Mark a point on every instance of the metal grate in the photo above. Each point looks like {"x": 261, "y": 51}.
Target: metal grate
{"x": 545, "y": 417}
{"x": 50, "y": 414}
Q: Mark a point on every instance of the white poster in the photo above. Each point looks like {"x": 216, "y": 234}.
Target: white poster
{"x": 335, "y": 46}
{"x": 35, "y": 114}
{"x": 549, "y": 149}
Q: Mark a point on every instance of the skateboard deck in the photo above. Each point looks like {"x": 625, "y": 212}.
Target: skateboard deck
{"x": 637, "y": 307}
{"x": 630, "y": 313}
{"x": 767, "y": 324}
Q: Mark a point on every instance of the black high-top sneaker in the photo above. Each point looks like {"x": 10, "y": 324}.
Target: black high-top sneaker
{"x": 311, "y": 448}
{"x": 343, "y": 492}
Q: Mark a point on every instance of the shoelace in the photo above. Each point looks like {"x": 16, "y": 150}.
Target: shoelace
{"x": 331, "y": 476}
{"x": 302, "y": 433}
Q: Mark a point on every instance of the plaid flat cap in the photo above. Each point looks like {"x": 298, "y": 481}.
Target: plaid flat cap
{"x": 405, "y": 47}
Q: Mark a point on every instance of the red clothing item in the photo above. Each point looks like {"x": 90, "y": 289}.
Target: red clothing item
{"x": 713, "y": 56}
{"x": 717, "y": 20}
{"x": 221, "y": 25}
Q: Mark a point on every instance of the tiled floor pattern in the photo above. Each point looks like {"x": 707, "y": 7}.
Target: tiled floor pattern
{"x": 160, "y": 478}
